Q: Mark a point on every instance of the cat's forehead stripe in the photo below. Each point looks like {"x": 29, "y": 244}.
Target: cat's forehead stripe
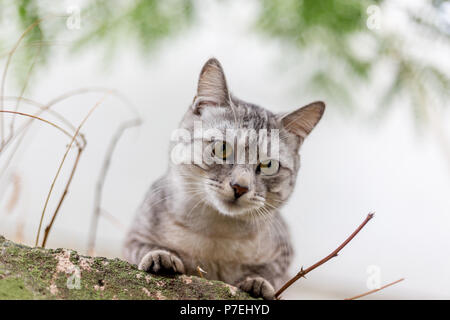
{"x": 249, "y": 117}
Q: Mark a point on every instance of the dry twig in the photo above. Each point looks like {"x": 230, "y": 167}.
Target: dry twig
{"x": 40, "y": 119}
{"x": 200, "y": 272}
{"x": 6, "y": 141}
{"x": 101, "y": 181}
{"x": 47, "y": 108}
{"x": 48, "y": 228}
{"x": 21, "y": 132}
{"x": 303, "y": 272}
{"x": 24, "y": 87}
{"x": 375, "y": 290}
{"x": 16, "y": 188}
{"x": 5, "y": 71}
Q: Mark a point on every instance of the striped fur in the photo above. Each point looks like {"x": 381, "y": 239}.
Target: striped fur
{"x": 186, "y": 220}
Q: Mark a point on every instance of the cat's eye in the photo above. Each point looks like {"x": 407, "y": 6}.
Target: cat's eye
{"x": 222, "y": 150}
{"x": 268, "y": 167}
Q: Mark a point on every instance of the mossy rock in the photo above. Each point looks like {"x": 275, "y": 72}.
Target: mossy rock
{"x": 36, "y": 273}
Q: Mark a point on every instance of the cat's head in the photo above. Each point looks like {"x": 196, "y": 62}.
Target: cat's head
{"x": 221, "y": 133}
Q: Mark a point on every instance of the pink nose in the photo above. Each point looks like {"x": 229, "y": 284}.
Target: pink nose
{"x": 238, "y": 190}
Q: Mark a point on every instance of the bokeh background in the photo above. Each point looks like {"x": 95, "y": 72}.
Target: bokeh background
{"x": 383, "y": 145}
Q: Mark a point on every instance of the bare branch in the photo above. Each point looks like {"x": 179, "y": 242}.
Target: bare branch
{"x": 40, "y": 119}
{"x": 375, "y": 290}
{"x": 101, "y": 181}
{"x": 5, "y": 71}
{"x": 63, "y": 196}
{"x": 303, "y": 272}
{"x": 47, "y": 230}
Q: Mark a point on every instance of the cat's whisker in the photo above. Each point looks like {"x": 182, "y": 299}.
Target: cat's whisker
{"x": 270, "y": 205}
{"x": 174, "y": 195}
{"x": 258, "y": 199}
{"x": 183, "y": 182}
{"x": 155, "y": 193}
{"x": 276, "y": 200}
{"x": 213, "y": 185}
{"x": 200, "y": 201}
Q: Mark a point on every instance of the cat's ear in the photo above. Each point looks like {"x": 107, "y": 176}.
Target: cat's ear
{"x": 303, "y": 120}
{"x": 212, "y": 87}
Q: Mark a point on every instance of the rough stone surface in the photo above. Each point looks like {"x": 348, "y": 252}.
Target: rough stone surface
{"x": 36, "y": 273}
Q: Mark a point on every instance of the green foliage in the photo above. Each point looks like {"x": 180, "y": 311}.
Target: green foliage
{"x": 111, "y": 24}
{"x": 327, "y": 23}
{"x": 146, "y": 21}
{"x": 298, "y": 19}
{"x": 25, "y": 58}
{"x": 14, "y": 289}
{"x": 324, "y": 28}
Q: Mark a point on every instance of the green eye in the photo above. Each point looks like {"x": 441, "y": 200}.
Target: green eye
{"x": 222, "y": 150}
{"x": 268, "y": 167}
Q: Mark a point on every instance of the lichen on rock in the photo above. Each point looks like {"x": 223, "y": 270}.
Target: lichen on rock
{"x": 36, "y": 273}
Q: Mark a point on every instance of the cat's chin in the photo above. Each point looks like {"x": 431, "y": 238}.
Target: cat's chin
{"x": 232, "y": 208}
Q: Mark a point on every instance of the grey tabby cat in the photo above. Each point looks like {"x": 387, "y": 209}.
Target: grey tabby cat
{"x": 224, "y": 217}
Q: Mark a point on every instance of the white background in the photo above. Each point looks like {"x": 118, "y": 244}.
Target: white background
{"x": 351, "y": 164}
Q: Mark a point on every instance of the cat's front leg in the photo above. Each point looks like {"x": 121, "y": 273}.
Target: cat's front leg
{"x": 161, "y": 261}
{"x": 257, "y": 287}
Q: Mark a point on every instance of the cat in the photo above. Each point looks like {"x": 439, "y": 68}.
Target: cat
{"x": 224, "y": 217}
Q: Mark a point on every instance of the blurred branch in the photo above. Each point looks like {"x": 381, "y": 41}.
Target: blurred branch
{"x": 63, "y": 196}
{"x": 16, "y": 184}
{"x": 327, "y": 26}
{"x": 375, "y": 290}
{"x": 101, "y": 182}
{"x": 105, "y": 22}
{"x": 146, "y": 20}
{"x": 3, "y": 80}
{"x": 331, "y": 25}
{"x": 74, "y": 137}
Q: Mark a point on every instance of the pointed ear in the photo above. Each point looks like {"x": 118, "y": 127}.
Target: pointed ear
{"x": 212, "y": 87}
{"x": 303, "y": 120}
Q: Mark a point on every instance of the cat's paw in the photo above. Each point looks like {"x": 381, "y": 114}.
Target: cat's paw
{"x": 161, "y": 261}
{"x": 257, "y": 287}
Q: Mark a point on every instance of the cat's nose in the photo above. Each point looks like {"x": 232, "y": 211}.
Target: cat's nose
{"x": 238, "y": 190}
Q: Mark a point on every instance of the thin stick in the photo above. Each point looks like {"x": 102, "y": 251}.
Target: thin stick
{"x": 58, "y": 172}
{"x": 10, "y": 55}
{"x": 59, "y": 99}
{"x": 114, "y": 221}
{"x": 61, "y": 200}
{"x": 5, "y": 71}
{"x": 303, "y": 272}
{"x": 101, "y": 181}
{"x": 22, "y": 92}
{"x": 200, "y": 272}
{"x": 110, "y": 91}
{"x": 40, "y": 119}
{"x": 42, "y": 108}
{"x": 16, "y": 185}
{"x": 22, "y": 130}
{"x": 375, "y": 290}
{"x": 45, "y": 121}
